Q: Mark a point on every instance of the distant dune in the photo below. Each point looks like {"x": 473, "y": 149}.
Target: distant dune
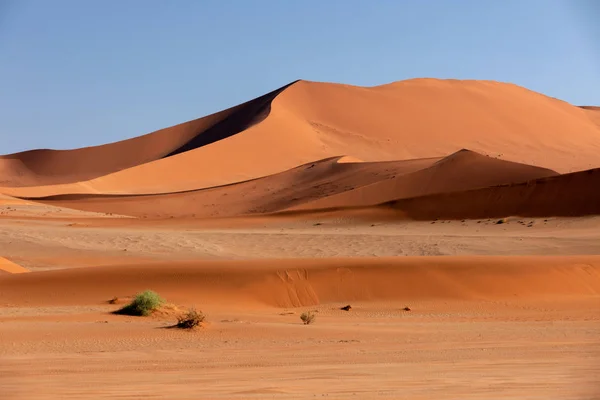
{"x": 313, "y": 146}
{"x": 460, "y": 171}
{"x": 569, "y": 195}
{"x": 323, "y": 184}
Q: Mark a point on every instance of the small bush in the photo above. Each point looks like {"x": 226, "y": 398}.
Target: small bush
{"x": 308, "y": 318}
{"x": 143, "y": 304}
{"x": 190, "y": 320}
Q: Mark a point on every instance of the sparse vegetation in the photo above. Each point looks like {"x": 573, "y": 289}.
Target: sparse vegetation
{"x": 307, "y": 317}
{"x": 190, "y": 319}
{"x": 143, "y": 304}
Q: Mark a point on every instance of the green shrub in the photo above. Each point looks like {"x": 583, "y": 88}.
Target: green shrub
{"x": 307, "y": 317}
{"x": 190, "y": 320}
{"x": 143, "y": 304}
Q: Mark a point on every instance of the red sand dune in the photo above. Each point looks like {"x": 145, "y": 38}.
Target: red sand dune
{"x": 263, "y": 195}
{"x": 419, "y": 118}
{"x": 295, "y": 283}
{"x": 47, "y": 167}
{"x": 460, "y": 171}
{"x": 331, "y": 183}
{"x": 569, "y": 195}
{"x": 191, "y": 170}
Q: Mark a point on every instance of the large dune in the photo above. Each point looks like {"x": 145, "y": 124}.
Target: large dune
{"x": 307, "y": 121}
{"x": 400, "y": 142}
{"x": 47, "y": 167}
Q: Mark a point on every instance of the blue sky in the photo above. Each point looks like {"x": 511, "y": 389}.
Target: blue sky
{"x": 76, "y": 73}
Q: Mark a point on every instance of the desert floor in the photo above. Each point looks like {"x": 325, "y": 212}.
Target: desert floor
{"x": 67, "y": 344}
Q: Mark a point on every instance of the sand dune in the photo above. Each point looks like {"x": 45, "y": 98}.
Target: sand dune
{"x": 328, "y": 182}
{"x": 295, "y": 283}
{"x": 264, "y": 195}
{"x": 47, "y": 167}
{"x": 575, "y": 194}
{"x": 460, "y": 171}
{"x": 420, "y": 118}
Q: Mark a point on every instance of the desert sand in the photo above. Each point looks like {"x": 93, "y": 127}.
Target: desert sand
{"x": 459, "y": 219}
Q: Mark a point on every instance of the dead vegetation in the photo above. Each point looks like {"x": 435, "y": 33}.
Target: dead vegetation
{"x": 190, "y": 319}
{"x": 308, "y": 317}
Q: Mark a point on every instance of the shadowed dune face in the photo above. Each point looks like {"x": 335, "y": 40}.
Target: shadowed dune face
{"x": 576, "y": 194}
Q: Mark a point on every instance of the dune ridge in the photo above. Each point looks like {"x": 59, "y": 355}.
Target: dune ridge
{"x": 305, "y": 282}
{"x": 322, "y": 184}
{"x": 263, "y": 195}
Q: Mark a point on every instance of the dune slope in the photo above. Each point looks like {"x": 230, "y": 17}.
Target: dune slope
{"x": 264, "y": 195}
{"x": 419, "y": 118}
{"x": 323, "y": 184}
{"x": 47, "y": 167}
{"x": 576, "y": 194}
{"x": 295, "y": 283}
{"x": 463, "y": 170}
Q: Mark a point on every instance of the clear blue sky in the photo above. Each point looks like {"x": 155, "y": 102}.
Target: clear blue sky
{"x": 84, "y": 72}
